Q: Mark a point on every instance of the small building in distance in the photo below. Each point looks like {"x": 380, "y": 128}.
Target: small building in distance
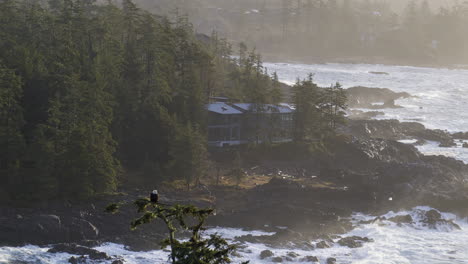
{"x": 239, "y": 123}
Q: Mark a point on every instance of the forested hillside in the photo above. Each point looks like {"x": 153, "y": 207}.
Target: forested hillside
{"x": 91, "y": 95}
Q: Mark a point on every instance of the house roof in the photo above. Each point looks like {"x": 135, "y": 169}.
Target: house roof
{"x": 223, "y": 108}
{"x": 267, "y": 108}
{"x": 239, "y": 108}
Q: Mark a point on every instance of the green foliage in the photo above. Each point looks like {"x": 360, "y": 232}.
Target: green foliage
{"x": 318, "y": 111}
{"x": 332, "y": 105}
{"x": 197, "y": 249}
{"x": 307, "y": 122}
{"x": 88, "y": 89}
{"x": 112, "y": 208}
{"x": 11, "y": 120}
{"x": 189, "y": 155}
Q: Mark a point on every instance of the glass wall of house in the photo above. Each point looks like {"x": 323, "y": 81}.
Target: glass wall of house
{"x": 223, "y": 127}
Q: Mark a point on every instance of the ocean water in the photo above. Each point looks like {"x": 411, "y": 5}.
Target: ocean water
{"x": 458, "y": 152}
{"x": 393, "y": 244}
{"x": 440, "y": 95}
{"x": 439, "y": 101}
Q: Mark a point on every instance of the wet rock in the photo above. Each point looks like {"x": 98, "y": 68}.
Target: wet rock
{"x": 364, "y": 115}
{"x": 292, "y": 255}
{"x": 310, "y": 259}
{"x": 323, "y": 244}
{"x": 81, "y": 229}
{"x": 461, "y": 135}
{"x": 331, "y": 260}
{"x": 396, "y": 130}
{"x": 305, "y": 246}
{"x": 118, "y": 261}
{"x": 142, "y": 243}
{"x": 75, "y": 249}
{"x": 78, "y": 260}
{"x": 353, "y": 241}
{"x": 96, "y": 255}
{"x": 49, "y": 221}
{"x": 277, "y": 259}
{"x": 447, "y": 144}
{"x": 41, "y": 227}
{"x": 281, "y": 239}
{"x": 402, "y": 219}
{"x": 379, "y": 73}
{"x": 420, "y": 142}
{"x": 433, "y": 219}
{"x": 266, "y": 254}
{"x": 365, "y": 97}
{"x": 90, "y": 243}
{"x": 465, "y": 145}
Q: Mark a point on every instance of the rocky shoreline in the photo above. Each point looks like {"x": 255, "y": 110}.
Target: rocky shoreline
{"x": 359, "y": 172}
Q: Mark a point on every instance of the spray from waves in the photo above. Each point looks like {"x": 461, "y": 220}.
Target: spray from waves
{"x": 458, "y": 152}
{"x": 413, "y": 242}
{"x": 440, "y": 94}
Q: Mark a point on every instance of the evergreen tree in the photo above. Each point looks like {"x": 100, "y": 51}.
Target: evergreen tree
{"x": 276, "y": 93}
{"x": 89, "y": 89}
{"x": 332, "y": 105}
{"x": 11, "y": 122}
{"x": 189, "y": 155}
{"x": 197, "y": 249}
{"x": 307, "y": 120}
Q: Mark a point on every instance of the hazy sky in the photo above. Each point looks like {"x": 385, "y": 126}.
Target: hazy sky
{"x": 399, "y": 4}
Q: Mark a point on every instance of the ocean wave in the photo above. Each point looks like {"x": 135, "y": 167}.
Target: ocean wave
{"x": 412, "y": 242}
{"x": 441, "y": 92}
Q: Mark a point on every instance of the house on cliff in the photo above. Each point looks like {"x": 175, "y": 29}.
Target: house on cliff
{"x": 240, "y": 123}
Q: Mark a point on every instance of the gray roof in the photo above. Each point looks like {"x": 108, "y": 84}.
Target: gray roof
{"x": 223, "y": 108}
{"x": 239, "y": 108}
{"x": 267, "y": 108}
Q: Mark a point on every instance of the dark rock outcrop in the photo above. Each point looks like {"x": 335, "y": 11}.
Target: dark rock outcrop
{"x": 323, "y": 244}
{"x": 310, "y": 259}
{"x": 266, "y": 254}
{"x": 277, "y": 259}
{"x": 365, "y": 97}
{"x": 433, "y": 219}
{"x": 379, "y": 73}
{"x": 292, "y": 254}
{"x": 353, "y": 241}
{"x": 401, "y": 219}
{"x": 355, "y": 114}
{"x": 460, "y": 135}
{"x": 74, "y": 249}
{"x": 331, "y": 261}
{"x": 78, "y": 260}
{"x": 396, "y": 130}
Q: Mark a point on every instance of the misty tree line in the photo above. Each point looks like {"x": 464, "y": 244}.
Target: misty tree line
{"x": 93, "y": 95}
{"x": 341, "y": 28}
{"x": 318, "y": 110}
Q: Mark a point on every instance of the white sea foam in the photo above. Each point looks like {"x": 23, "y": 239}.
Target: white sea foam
{"x": 393, "y": 244}
{"x": 440, "y": 94}
{"x": 458, "y": 152}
